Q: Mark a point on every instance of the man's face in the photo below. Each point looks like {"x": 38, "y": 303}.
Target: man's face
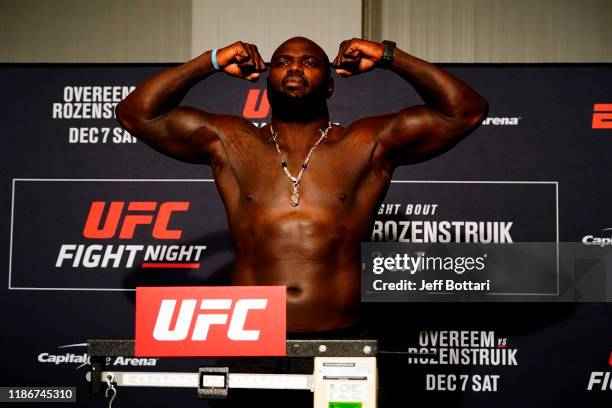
{"x": 299, "y": 69}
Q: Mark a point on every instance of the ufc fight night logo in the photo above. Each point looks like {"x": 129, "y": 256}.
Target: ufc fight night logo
{"x": 121, "y": 222}
{"x": 138, "y": 213}
{"x": 210, "y": 321}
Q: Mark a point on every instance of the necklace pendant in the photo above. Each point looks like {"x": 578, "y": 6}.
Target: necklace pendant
{"x": 295, "y": 196}
{"x": 295, "y": 199}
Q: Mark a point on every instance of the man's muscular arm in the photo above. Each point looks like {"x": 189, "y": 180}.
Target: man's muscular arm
{"x": 452, "y": 109}
{"x": 152, "y": 114}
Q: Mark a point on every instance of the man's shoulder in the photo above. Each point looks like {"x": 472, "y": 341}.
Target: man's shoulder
{"x": 367, "y": 127}
{"x": 229, "y": 126}
{"x": 370, "y": 123}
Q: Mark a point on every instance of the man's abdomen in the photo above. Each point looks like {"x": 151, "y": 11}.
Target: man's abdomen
{"x": 316, "y": 256}
{"x": 320, "y": 296}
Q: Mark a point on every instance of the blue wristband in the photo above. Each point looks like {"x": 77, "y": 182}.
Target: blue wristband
{"x": 213, "y": 58}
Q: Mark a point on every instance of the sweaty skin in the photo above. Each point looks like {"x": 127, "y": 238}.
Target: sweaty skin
{"x": 312, "y": 248}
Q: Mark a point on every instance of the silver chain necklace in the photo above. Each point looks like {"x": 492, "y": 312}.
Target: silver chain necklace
{"x": 295, "y": 195}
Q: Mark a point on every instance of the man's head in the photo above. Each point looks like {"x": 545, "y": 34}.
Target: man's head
{"x": 299, "y": 74}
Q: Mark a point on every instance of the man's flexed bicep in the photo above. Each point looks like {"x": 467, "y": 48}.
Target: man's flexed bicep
{"x": 183, "y": 133}
{"x": 152, "y": 114}
{"x": 451, "y": 111}
{"x": 419, "y": 133}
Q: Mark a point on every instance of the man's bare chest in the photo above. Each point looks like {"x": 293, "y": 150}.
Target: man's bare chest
{"x": 333, "y": 171}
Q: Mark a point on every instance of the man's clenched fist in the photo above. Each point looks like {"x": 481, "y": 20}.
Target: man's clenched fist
{"x": 241, "y": 60}
{"x": 357, "y": 56}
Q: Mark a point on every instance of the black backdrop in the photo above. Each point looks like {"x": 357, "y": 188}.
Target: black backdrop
{"x": 541, "y": 129}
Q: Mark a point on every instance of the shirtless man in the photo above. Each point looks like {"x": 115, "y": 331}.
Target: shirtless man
{"x": 305, "y": 237}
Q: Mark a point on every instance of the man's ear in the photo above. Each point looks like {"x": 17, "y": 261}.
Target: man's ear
{"x": 330, "y": 86}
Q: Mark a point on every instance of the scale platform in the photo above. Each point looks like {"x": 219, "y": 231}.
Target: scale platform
{"x": 345, "y": 373}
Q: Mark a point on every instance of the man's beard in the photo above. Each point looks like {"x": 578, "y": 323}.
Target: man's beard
{"x": 298, "y": 108}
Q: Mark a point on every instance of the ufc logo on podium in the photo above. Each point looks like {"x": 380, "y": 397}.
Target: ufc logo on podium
{"x": 205, "y": 319}
{"x": 210, "y": 321}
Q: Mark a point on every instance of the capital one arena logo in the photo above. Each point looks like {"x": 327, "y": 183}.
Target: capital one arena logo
{"x": 210, "y": 321}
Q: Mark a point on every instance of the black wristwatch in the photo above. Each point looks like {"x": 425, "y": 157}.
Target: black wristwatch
{"x": 387, "y": 58}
